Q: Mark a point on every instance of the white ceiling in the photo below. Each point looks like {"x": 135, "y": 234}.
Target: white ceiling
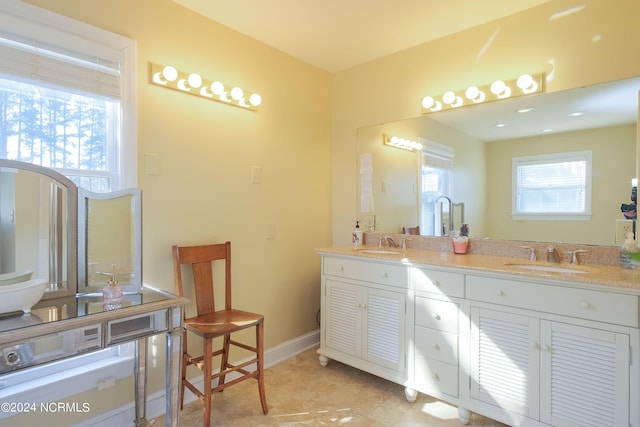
{"x": 336, "y": 35}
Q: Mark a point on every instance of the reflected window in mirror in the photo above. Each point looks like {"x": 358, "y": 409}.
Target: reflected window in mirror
{"x": 68, "y": 104}
{"x": 554, "y": 186}
{"x": 436, "y": 171}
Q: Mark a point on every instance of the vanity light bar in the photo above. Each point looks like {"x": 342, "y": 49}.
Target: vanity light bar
{"x": 191, "y": 83}
{"x": 405, "y": 144}
{"x": 526, "y": 84}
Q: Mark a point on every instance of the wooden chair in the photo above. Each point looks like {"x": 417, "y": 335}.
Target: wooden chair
{"x": 411, "y": 230}
{"x": 209, "y": 324}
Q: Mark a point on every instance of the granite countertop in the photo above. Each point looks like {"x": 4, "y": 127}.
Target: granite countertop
{"x": 627, "y": 280}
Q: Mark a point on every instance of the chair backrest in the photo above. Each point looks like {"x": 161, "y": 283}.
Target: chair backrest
{"x": 411, "y": 230}
{"x": 201, "y": 259}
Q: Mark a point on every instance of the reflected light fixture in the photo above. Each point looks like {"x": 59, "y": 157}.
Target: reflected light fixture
{"x": 192, "y": 83}
{"x": 397, "y": 142}
{"x": 526, "y": 84}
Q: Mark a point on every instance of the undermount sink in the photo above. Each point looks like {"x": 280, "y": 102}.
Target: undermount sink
{"x": 548, "y": 268}
{"x": 379, "y": 252}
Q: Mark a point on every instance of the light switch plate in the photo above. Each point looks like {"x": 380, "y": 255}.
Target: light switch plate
{"x": 152, "y": 164}
{"x": 256, "y": 174}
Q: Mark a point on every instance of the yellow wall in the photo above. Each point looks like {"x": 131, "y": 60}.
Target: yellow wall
{"x": 204, "y": 192}
{"x": 591, "y": 46}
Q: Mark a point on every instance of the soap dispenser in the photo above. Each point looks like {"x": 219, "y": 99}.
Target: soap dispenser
{"x": 630, "y": 253}
{"x": 356, "y": 236}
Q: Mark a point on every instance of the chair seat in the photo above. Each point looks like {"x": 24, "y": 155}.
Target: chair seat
{"x": 222, "y": 322}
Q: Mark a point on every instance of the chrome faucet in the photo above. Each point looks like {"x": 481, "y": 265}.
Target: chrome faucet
{"x": 404, "y": 243}
{"x": 392, "y": 243}
{"x": 532, "y": 255}
{"x": 574, "y": 255}
{"x": 552, "y": 255}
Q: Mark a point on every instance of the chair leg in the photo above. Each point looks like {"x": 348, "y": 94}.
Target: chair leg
{"x": 224, "y": 361}
{"x": 207, "y": 381}
{"x": 260, "y": 351}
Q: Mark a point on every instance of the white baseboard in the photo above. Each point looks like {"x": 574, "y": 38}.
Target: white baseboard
{"x": 156, "y": 404}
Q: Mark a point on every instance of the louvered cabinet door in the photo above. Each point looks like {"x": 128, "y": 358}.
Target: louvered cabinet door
{"x": 584, "y": 376}
{"x": 504, "y": 360}
{"x": 343, "y": 329}
{"x": 384, "y": 317}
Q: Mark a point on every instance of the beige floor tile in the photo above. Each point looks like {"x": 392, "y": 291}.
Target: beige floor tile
{"x": 302, "y": 393}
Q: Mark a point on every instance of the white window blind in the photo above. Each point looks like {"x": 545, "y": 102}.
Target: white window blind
{"x": 437, "y": 155}
{"x": 48, "y": 59}
{"x": 553, "y": 186}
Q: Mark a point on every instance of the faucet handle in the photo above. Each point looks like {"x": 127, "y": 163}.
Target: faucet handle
{"x": 532, "y": 255}
{"x": 404, "y": 243}
{"x": 574, "y": 255}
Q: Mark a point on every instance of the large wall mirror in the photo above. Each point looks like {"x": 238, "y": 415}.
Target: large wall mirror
{"x": 38, "y": 220}
{"x": 109, "y": 239}
{"x": 389, "y": 193}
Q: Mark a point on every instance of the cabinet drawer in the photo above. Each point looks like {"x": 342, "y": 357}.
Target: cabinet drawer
{"x": 436, "y": 314}
{"x": 582, "y": 303}
{"x": 434, "y": 377}
{"x": 437, "y": 345}
{"x": 437, "y": 282}
{"x": 368, "y": 271}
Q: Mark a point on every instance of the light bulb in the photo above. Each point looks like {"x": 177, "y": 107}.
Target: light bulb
{"x": 449, "y": 97}
{"x": 169, "y": 73}
{"x": 428, "y": 102}
{"x": 474, "y": 94}
{"x": 500, "y": 89}
{"x": 236, "y": 93}
{"x": 255, "y": 100}
{"x": 527, "y": 84}
{"x": 497, "y": 87}
{"x": 217, "y": 88}
{"x": 194, "y": 80}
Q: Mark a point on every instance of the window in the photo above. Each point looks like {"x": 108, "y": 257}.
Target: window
{"x": 552, "y": 187}
{"x": 67, "y": 97}
{"x": 435, "y": 180}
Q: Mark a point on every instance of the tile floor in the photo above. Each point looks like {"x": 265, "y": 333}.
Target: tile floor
{"x": 302, "y": 393}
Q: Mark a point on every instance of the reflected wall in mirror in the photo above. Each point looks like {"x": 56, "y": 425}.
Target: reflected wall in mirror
{"x": 110, "y": 239}
{"x": 38, "y": 225}
{"x": 389, "y": 187}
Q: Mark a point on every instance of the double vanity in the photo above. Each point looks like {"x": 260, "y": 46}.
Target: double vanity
{"x": 528, "y": 343}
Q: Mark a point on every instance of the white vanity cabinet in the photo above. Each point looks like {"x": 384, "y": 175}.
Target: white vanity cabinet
{"x": 521, "y": 349}
{"x": 434, "y": 356}
{"x": 544, "y": 353}
{"x": 364, "y": 316}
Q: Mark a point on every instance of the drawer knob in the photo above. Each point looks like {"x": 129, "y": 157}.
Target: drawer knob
{"x": 585, "y": 304}
{"x": 437, "y": 316}
{"x": 500, "y": 293}
{"x": 341, "y": 268}
{"x": 436, "y": 283}
{"x": 436, "y": 347}
{"x": 535, "y": 345}
{"x": 385, "y": 274}
{"x": 436, "y": 377}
